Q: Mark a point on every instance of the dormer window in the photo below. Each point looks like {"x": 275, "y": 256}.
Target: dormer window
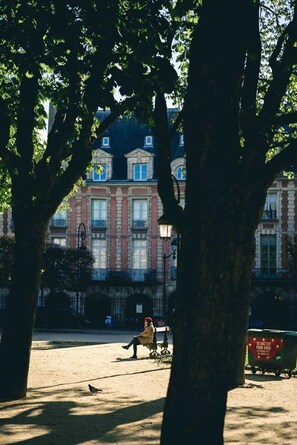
{"x": 99, "y": 173}
{"x": 181, "y": 173}
{"x": 140, "y": 172}
{"x": 181, "y": 139}
{"x": 105, "y": 143}
{"x": 148, "y": 141}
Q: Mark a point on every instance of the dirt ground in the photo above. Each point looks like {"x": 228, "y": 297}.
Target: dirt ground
{"x": 59, "y": 409}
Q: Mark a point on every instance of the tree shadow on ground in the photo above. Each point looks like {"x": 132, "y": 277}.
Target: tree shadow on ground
{"x": 90, "y": 380}
{"x": 57, "y": 423}
{"x": 256, "y": 424}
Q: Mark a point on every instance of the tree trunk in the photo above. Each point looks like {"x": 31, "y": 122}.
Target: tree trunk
{"x": 211, "y": 323}
{"x": 21, "y": 305}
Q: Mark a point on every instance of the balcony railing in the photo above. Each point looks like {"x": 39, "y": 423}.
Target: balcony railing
{"x": 99, "y": 223}
{"x": 270, "y": 274}
{"x": 58, "y": 222}
{"x": 139, "y": 223}
{"x": 124, "y": 276}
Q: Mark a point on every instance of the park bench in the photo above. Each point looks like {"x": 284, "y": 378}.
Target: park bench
{"x": 156, "y": 343}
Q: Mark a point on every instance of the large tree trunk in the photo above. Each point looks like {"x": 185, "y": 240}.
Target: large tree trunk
{"x": 217, "y": 235}
{"x": 20, "y": 312}
{"x": 210, "y": 330}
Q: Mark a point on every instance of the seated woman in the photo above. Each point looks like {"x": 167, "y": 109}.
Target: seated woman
{"x": 145, "y": 338}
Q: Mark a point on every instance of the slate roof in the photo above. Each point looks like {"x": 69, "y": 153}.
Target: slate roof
{"x": 126, "y": 134}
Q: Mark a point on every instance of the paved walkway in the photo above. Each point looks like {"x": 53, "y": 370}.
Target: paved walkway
{"x": 98, "y": 336}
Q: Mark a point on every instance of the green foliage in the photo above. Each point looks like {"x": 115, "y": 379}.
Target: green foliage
{"x": 66, "y": 268}
{"x": 78, "y": 56}
{"x": 63, "y": 268}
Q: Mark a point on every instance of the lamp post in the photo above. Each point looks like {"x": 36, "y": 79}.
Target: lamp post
{"x": 165, "y": 225}
{"x": 165, "y": 258}
{"x": 81, "y": 236}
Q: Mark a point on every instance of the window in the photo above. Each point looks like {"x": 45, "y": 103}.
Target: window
{"x": 60, "y": 241}
{"x": 105, "y": 141}
{"x": 148, "y": 141}
{"x": 181, "y": 139}
{"x": 59, "y": 219}
{"x": 139, "y": 259}
{"x": 99, "y": 174}
{"x": 181, "y": 173}
{"x": 99, "y": 252}
{"x": 99, "y": 213}
{"x": 270, "y": 206}
{"x": 139, "y": 213}
{"x": 140, "y": 172}
{"x": 268, "y": 254}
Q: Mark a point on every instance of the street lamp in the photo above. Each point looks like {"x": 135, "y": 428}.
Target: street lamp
{"x": 165, "y": 225}
{"x": 165, "y": 228}
{"x": 81, "y": 236}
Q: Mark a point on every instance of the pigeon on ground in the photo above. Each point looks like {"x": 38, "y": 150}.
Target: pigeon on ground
{"x": 93, "y": 389}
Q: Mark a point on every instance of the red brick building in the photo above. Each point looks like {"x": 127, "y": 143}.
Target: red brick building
{"x": 118, "y": 206}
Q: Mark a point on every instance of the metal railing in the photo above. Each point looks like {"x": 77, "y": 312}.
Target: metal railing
{"x": 58, "y": 222}
{"x": 102, "y": 223}
{"x": 139, "y": 223}
{"x": 270, "y": 274}
{"x": 128, "y": 275}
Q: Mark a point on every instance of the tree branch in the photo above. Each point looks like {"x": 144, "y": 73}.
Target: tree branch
{"x": 281, "y": 62}
{"x": 282, "y": 161}
{"x": 171, "y": 207}
{"x": 26, "y": 119}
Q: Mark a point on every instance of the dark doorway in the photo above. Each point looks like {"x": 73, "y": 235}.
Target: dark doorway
{"x": 97, "y": 307}
{"x": 138, "y": 306}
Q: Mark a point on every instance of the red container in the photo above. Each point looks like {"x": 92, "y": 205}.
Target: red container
{"x": 271, "y": 350}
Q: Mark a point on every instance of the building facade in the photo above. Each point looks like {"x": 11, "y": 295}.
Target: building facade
{"x": 134, "y": 270}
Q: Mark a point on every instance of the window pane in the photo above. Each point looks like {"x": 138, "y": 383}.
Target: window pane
{"x": 99, "y": 251}
{"x": 140, "y": 212}
{"x": 99, "y": 175}
{"x": 270, "y": 207}
{"x": 99, "y": 212}
{"x": 139, "y": 254}
{"x": 268, "y": 253}
{"x": 148, "y": 140}
{"x": 139, "y": 172}
{"x": 105, "y": 141}
{"x": 181, "y": 173}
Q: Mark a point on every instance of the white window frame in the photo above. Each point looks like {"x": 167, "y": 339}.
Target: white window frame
{"x": 179, "y": 172}
{"x": 148, "y": 141}
{"x": 99, "y": 252}
{"x": 106, "y": 141}
{"x": 139, "y": 213}
{"x": 139, "y": 254}
{"x": 99, "y": 212}
{"x": 143, "y": 172}
{"x": 99, "y": 176}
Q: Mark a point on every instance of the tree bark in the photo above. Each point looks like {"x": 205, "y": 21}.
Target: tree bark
{"x": 21, "y": 305}
{"x": 217, "y": 237}
{"x": 210, "y": 329}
